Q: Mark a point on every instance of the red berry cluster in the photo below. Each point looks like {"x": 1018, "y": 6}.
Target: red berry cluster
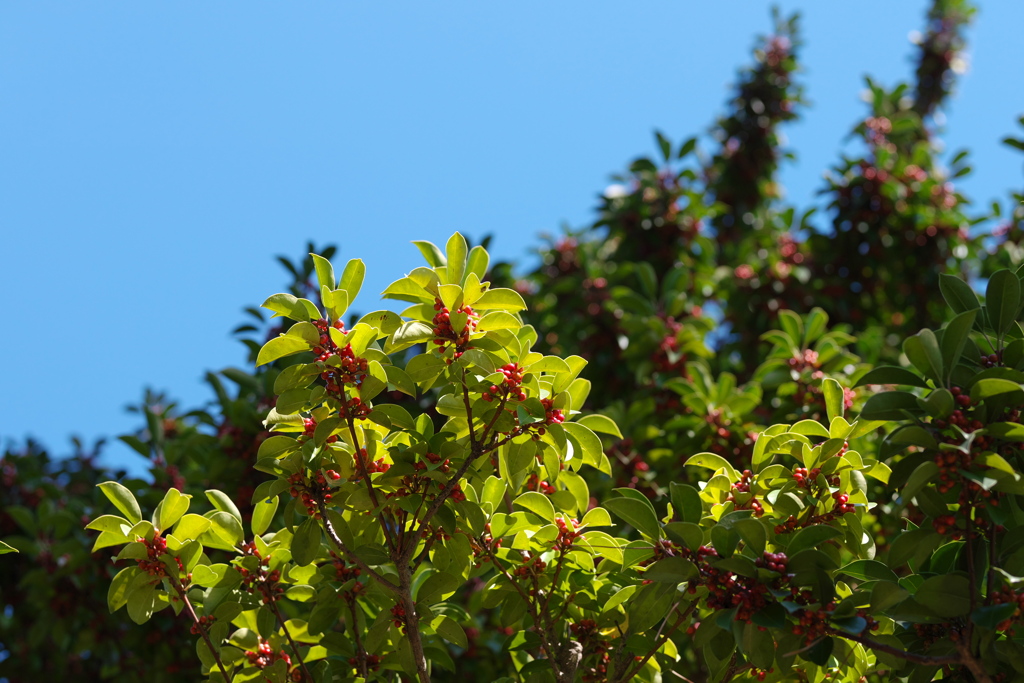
{"x": 946, "y": 524}
{"x": 398, "y": 616}
{"x": 203, "y": 625}
{"x": 534, "y": 483}
{"x": 484, "y": 546}
{"x": 668, "y": 348}
{"x": 742, "y": 487}
{"x": 153, "y": 565}
{"x": 552, "y": 415}
{"x": 372, "y": 662}
{"x": 265, "y": 656}
{"x": 1007, "y": 596}
{"x": 364, "y": 468}
{"x": 510, "y": 386}
{"x": 567, "y": 533}
{"x": 761, "y": 674}
{"x": 992, "y": 360}
{"x": 260, "y": 580}
{"x": 444, "y": 334}
{"x": 309, "y": 429}
{"x": 727, "y": 590}
{"x": 435, "y": 459}
{"x": 805, "y": 360}
{"x": 532, "y": 566}
{"x": 353, "y": 409}
{"x": 309, "y": 489}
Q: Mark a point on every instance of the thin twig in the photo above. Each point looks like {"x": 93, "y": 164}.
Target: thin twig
{"x": 288, "y": 635}
{"x": 200, "y": 627}
{"x": 352, "y": 557}
{"x": 895, "y": 651}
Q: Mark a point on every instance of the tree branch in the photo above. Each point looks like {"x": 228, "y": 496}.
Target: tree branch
{"x": 352, "y": 557}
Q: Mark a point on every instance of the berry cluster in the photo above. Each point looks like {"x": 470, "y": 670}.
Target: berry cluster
{"x": 552, "y": 415}
{"x": 326, "y": 349}
{"x": 1007, "y": 596}
{"x": 484, "y": 546}
{"x": 744, "y": 500}
{"x": 567, "y": 533}
{"x": 372, "y": 662}
{"x": 435, "y": 459}
{"x": 353, "y": 409}
{"x": 307, "y": 490}
{"x": 535, "y": 483}
{"x": 398, "y": 616}
{"x": 260, "y": 580}
{"x": 532, "y": 566}
{"x": 445, "y": 334}
{"x": 667, "y": 357}
{"x": 946, "y": 524}
{"x": 761, "y": 674}
{"x": 309, "y": 429}
{"x": 510, "y": 386}
{"x": 364, "y": 468}
{"x": 153, "y": 565}
{"x": 203, "y": 624}
{"x": 265, "y": 656}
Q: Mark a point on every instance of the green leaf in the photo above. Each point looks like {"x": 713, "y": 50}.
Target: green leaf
{"x": 600, "y": 423}
{"x": 306, "y": 542}
{"x": 923, "y": 351}
{"x": 457, "y": 251}
{"x": 498, "y": 320}
{"x": 992, "y": 386}
{"x": 638, "y": 514}
{"x": 890, "y": 405}
{"x": 954, "y": 338}
{"x": 811, "y": 537}
{"x": 263, "y": 514}
{"x": 289, "y": 306}
{"x": 869, "y": 570}
{"x": 833, "y": 397}
{"x": 713, "y": 462}
{"x": 352, "y": 278}
{"x": 538, "y": 504}
{"x": 4, "y": 549}
{"x": 500, "y": 298}
{"x": 588, "y": 441}
{"x": 437, "y": 587}
{"x": 686, "y": 501}
{"x": 191, "y": 527}
{"x": 1002, "y": 300}
{"x": 948, "y": 595}
{"x": 117, "y": 594}
{"x": 279, "y": 347}
{"x": 430, "y": 251}
{"x": 123, "y": 500}
{"x": 477, "y": 262}
{"x": 324, "y": 272}
{"x": 223, "y": 502}
{"x": 890, "y": 374}
{"x": 921, "y": 476}
{"x": 449, "y": 629}
{"x": 226, "y": 527}
{"x": 673, "y": 570}
{"x": 958, "y": 294}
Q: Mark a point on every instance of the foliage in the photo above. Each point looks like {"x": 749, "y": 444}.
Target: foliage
{"x": 732, "y": 455}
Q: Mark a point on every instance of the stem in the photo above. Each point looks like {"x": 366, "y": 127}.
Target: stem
{"x": 352, "y": 557}
{"x": 360, "y": 652}
{"x": 202, "y": 630}
{"x": 288, "y": 635}
{"x": 412, "y": 622}
{"x": 896, "y": 652}
{"x": 969, "y": 661}
{"x": 662, "y": 638}
{"x": 369, "y": 484}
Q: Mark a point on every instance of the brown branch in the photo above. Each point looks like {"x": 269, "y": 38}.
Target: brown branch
{"x": 365, "y": 475}
{"x": 412, "y": 622}
{"x": 360, "y": 651}
{"x": 352, "y": 557}
{"x": 288, "y": 635}
{"x": 969, "y": 660}
{"x": 662, "y": 638}
{"x": 895, "y": 651}
{"x": 199, "y": 626}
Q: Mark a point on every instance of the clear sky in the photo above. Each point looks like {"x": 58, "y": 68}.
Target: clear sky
{"x": 154, "y": 157}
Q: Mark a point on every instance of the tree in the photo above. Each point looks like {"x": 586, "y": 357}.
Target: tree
{"x": 696, "y": 474}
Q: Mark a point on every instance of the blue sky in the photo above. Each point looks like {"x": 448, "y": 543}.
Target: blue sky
{"x": 155, "y": 157}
